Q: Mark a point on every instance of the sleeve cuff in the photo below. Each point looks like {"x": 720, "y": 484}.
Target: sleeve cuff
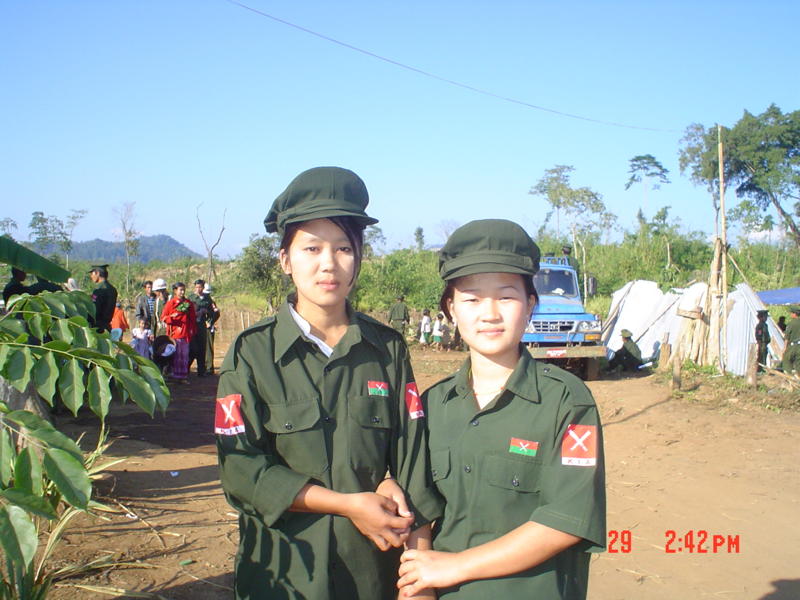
{"x": 569, "y": 524}
{"x": 275, "y": 491}
{"x": 427, "y": 506}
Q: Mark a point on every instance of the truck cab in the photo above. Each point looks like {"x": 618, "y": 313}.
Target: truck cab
{"x": 560, "y": 330}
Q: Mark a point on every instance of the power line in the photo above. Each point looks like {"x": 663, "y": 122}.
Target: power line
{"x": 445, "y": 79}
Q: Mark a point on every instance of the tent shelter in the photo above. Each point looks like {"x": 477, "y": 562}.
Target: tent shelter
{"x": 680, "y": 317}
{"x": 784, "y": 296}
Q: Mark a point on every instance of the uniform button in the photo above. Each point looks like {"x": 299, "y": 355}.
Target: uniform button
{"x": 289, "y": 426}
{"x": 376, "y": 420}
{"x": 433, "y": 472}
{"x": 546, "y": 369}
{"x": 474, "y": 422}
{"x": 327, "y": 419}
{"x": 467, "y": 469}
{"x": 515, "y": 482}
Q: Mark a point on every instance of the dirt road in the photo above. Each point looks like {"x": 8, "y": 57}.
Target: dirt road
{"x": 672, "y": 465}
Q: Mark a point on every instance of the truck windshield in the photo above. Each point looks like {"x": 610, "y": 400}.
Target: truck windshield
{"x": 555, "y": 282}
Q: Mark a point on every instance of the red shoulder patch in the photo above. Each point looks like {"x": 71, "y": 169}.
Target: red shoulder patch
{"x": 413, "y": 402}
{"x": 579, "y": 446}
{"x": 228, "y": 416}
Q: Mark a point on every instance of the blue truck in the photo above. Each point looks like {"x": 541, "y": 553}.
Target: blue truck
{"x": 560, "y": 330}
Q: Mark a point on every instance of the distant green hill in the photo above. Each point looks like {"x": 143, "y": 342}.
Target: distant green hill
{"x": 152, "y": 247}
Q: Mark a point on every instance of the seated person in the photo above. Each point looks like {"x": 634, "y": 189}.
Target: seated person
{"x": 629, "y": 357}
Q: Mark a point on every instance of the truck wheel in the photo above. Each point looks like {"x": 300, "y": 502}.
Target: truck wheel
{"x": 591, "y": 369}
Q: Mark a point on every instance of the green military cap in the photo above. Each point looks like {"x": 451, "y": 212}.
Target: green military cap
{"x": 762, "y": 313}
{"x": 98, "y": 268}
{"x": 626, "y": 333}
{"x": 320, "y": 193}
{"x": 795, "y": 308}
{"x": 488, "y": 246}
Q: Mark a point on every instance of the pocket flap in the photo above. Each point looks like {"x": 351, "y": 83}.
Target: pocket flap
{"x": 440, "y": 464}
{"x": 511, "y": 473}
{"x": 288, "y": 418}
{"x": 371, "y": 411}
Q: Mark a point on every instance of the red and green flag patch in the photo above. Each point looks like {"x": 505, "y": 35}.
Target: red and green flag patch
{"x": 377, "y": 388}
{"x": 524, "y": 447}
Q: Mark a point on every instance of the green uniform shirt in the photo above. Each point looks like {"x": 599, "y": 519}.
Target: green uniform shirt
{"x": 792, "y": 333}
{"x": 287, "y": 415}
{"x": 762, "y": 333}
{"x": 104, "y": 297}
{"x": 398, "y": 312}
{"x": 632, "y": 349}
{"x": 535, "y": 453}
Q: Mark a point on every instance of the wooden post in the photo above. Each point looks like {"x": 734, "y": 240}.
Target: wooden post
{"x": 723, "y": 354}
{"x": 752, "y": 365}
{"x": 677, "y": 364}
{"x": 665, "y": 356}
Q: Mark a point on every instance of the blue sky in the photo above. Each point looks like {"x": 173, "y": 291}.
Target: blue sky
{"x": 170, "y": 104}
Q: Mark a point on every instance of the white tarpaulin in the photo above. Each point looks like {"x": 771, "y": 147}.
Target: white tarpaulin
{"x": 655, "y": 317}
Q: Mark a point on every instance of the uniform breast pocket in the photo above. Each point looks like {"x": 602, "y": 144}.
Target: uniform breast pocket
{"x": 298, "y": 438}
{"x": 369, "y": 433}
{"x": 440, "y": 466}
{"x": 510, "y": 492}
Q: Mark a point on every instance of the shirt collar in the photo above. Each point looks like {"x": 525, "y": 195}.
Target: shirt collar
{"x": 287, "y": 333}
{"x": 523, "y": 381}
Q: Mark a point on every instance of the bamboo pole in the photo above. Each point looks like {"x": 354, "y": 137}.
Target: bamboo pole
{"x": 723, "y": 354}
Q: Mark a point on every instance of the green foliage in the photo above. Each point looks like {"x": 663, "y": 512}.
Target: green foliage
{"x": 407, "y": 272}
{"x": 645, "y": 167}
{"x": 258, "y": 268}
{"x": 46, "y": 345}
{"x": 762, "y": 163}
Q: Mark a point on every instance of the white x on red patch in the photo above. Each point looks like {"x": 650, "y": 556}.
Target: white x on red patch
{"x": 579, "y": 446}
{"x": 228, "y": 415}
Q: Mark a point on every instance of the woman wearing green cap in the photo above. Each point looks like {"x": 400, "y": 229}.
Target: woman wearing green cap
{"x": 516, "y": 445}
{"x": 315, "y": 406}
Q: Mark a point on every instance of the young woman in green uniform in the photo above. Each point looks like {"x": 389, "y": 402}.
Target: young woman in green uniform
{"x": 315, "y": 406}
{"x": 516, "y": 445}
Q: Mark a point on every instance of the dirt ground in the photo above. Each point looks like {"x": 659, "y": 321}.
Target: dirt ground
{"x": 727, "y": 468}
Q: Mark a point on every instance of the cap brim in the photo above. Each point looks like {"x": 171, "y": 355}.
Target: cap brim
{"x": 328, "y": 213}
{"x": 477, "y": 268}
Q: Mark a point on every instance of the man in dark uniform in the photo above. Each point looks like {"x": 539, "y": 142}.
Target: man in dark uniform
{"x": 398, "y": 316}
{"x": 762, "y": 338}
{"x": 104, "y": 297}
{"x": 791, "y": 355}
{"x": 204, "y": 309}
{"x": 629, "y": 357}
{"x": 15, "y": 287}
{"x": 212, "y": 328}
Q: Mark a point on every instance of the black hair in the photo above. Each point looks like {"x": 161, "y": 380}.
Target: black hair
{"x": 178, "y": 284}
{"x": 450, "y": 288}
{"x": 146, "y": 283}
{"x": 351, "y": 228}
{"x": 199, "y": 282}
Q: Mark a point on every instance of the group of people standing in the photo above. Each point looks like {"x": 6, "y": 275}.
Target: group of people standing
{"x": 441, "y": 333}
{"x": 350, "y": 484}
{"x": 179, "y": 326}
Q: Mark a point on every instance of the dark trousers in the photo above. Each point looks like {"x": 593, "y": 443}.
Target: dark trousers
{"x": 197, "y": 348}
{"x": 762, "y": 355}
{"x": 626, "y": 360}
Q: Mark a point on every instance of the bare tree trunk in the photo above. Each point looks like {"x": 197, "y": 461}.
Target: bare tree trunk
{"x": 210, "y": 271}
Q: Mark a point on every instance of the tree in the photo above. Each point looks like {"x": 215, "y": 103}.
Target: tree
{"x": 645, "y": 169}
{"x": 75, "y": 217}
{"x": 259, "y": 266}
{"x": 762, "y": 163}
{"x": 419, "y": 238}
{"x": 7, "y": 226}
{"x": 130, "y": 237}
{"x": 47, "y": 232}
{"x": 583, "y": 207}
{"x": 374, "y": 240}
{"x": 210, "y": 249}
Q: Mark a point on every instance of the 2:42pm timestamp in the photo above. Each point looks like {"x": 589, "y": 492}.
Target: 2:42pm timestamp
{"x": 701, "y": 542}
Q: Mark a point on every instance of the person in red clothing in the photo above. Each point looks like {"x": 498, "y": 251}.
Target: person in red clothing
{"x": 119, "y": 320}
{"x": 181, "y": 321}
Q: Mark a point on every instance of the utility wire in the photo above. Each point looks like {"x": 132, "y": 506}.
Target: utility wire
{"x": 444, "y": 79}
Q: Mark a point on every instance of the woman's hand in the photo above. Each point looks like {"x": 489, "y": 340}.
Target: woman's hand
{"x": 389, "y": 488}
{"x": 427, "y": 569}
{"x": 377, "y": 518}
